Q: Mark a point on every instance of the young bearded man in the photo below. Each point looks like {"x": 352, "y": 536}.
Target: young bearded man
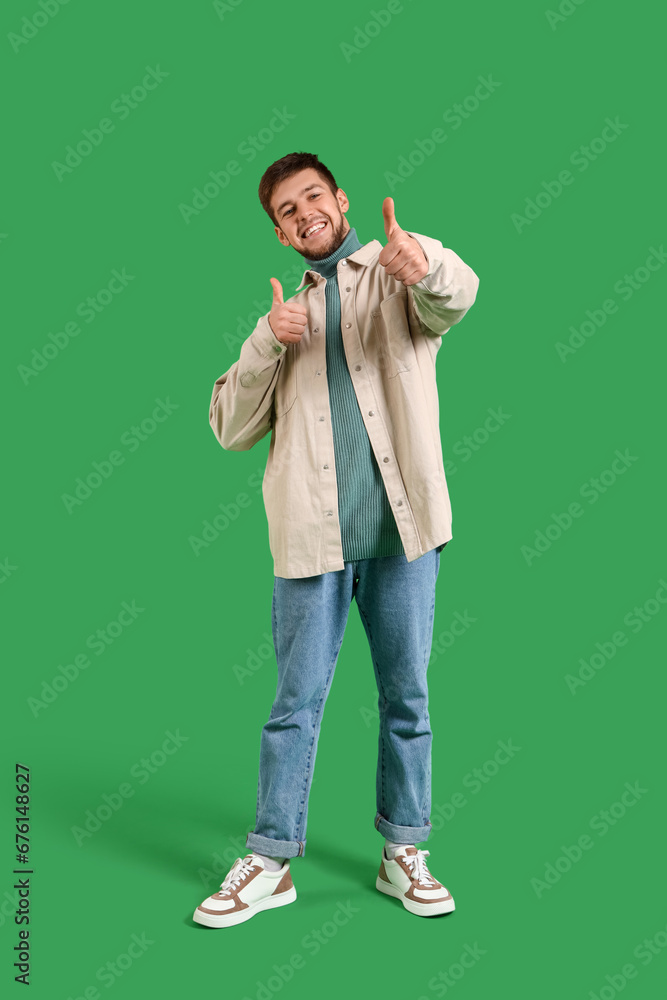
{"x": 343, "y": 377}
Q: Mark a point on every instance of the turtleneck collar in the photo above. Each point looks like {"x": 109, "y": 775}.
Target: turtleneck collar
{"x": 328, "y": 265}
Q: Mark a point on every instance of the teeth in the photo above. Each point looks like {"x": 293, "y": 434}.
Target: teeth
{"x": 313, "y": 229}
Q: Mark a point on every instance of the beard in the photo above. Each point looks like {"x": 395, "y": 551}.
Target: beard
{"x": 338, "y": 230}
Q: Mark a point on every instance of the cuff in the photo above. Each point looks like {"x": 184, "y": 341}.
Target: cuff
{"x": 429, "y": 254}
{"x": 265, "y": 340}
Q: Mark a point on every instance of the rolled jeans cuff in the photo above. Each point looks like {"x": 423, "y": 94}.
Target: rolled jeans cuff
{"x": 402, "y": 834}
{"x": 275, "y": 848}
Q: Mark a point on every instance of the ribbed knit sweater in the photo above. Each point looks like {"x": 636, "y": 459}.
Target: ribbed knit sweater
{"x": 368, "y": 527}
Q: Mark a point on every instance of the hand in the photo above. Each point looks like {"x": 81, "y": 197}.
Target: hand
{"x": 286, "y": 319}
{"x": 402, "y": 256}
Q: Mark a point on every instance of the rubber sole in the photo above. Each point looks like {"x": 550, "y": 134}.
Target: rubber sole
{"x": 420, "y": 909}
{"x": 229, "y": 920}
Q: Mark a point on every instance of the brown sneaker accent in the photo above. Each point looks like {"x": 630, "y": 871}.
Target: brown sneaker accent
{"x": 408, "y": 871}
{"x": 284, "y": 884}
{"x": 238, "y": 905}
{"x": 410, "y": 894}
{"x": 233, "y": 894}
{"x": 274, "y": 889}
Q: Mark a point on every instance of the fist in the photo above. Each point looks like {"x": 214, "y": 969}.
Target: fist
{"x": 402, "y": 256}
{"x": 286, "y": 319}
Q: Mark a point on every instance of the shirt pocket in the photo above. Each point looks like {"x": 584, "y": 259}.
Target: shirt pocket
{"x": 286, "y": 386}
{"x": 395, "y": 350}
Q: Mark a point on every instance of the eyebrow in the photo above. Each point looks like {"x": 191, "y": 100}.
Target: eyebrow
{"x": 289, "y": 201}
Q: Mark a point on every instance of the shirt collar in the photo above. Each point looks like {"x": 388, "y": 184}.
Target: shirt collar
{"x": 364, "y": 256}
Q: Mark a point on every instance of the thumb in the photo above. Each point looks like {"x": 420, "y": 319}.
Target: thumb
{"x": 277, "y": 292}
{"x": 389, "y": 216}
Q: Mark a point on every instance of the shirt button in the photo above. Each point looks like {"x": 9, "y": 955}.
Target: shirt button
{"x": 318, "y": 373}
{"x": 316, "y": 330}
{"x": 348, "y": 289}
{"x": 371, "y": 413}
{"x": 399, "y": 503}
{"x": 325, "y": 466}
{"x": 329, "y": 513}
{"x": 385, "y": 459}
{"x": 321, "y": 418}
{"x": 347, "y": 326}
{"x": 357, "y": 368}
{"x": 343, "y": 262}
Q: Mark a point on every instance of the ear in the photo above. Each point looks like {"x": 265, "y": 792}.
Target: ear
{"x": 281, "y": 236}
{"x": 342, "y": 200}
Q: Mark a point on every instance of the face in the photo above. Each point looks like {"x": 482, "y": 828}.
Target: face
{"x": 300, "y": 202}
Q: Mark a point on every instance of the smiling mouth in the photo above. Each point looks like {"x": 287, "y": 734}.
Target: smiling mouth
{"x": 316, "y": 232}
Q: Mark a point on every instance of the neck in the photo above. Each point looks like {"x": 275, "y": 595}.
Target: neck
{"x": 327, "y": 265}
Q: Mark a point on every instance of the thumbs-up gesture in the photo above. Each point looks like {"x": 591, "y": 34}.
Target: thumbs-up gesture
{"x": 286, "y": 319}
{"x": 402, "y": 256}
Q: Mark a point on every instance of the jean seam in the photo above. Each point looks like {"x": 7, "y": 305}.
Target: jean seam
{"x": 428, "y": 776}
{"x": 383, "y": 801}
{"x": 316, "y": 723}
{"x": 275, "y": 632}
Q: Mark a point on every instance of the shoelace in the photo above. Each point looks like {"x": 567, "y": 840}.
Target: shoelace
{"x": 236, "y": 875}
{"x": 419, "y": 869}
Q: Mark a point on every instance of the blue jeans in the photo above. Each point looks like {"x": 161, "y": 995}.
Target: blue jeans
{"x": 396, "y": 601}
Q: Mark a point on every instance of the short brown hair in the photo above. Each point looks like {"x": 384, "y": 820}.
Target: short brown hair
{"x": 286, "y": 167}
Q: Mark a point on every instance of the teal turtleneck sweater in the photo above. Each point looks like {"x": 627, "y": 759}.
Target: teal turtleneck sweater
{"x": 368, "y": 527}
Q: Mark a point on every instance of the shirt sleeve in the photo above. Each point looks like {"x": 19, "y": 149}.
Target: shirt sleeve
{"x": 241, "y": 410}
{"x": 444, "y": 295}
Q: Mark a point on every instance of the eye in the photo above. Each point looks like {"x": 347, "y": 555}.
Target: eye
{"x": 288, "y": 210}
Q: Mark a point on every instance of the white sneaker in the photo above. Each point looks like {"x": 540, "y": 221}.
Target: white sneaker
{"x": 246, "y": 889}
{"x": 407, "y": 878}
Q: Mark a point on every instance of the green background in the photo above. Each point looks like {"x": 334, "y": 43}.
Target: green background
{"x": 175, "y": 328}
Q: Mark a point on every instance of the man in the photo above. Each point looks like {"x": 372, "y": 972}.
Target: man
{"x": 343, "y": 377}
